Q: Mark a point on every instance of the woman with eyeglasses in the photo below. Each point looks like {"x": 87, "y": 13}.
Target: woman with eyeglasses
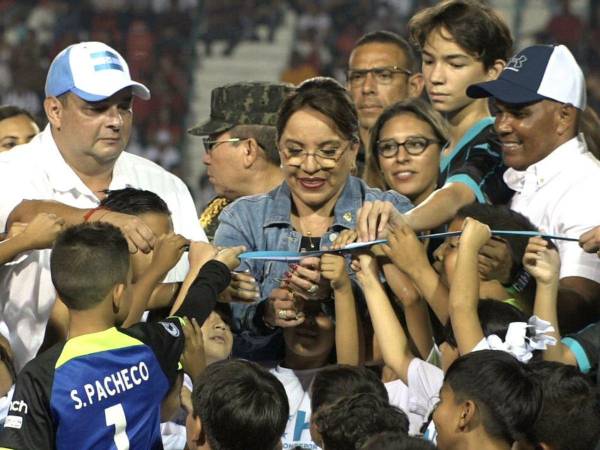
{"x": 406, "y": 142}
{"x": 317, "y": 131}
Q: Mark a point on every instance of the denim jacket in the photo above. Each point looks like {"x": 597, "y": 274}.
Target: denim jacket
{"x": 263, "y": 222}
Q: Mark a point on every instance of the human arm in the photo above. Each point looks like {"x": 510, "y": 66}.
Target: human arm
{"x": 38, "y": 234}
{"x": 440, "y": 207}
{"x": 464, "y": 292}
{"x": 167, "y": 251}
{"x": 590, "y": 240}
{"x": 543, "y": 263}
{"x": 388, "y": 330}
{"x": 408, "y": 254}
{"x": 347, "y": 335}
{"x": 138, "y": 234}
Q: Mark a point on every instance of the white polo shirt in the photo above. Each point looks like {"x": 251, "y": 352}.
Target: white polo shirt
{"x": 37, "y": 171}
{"x": 558, "y": 195}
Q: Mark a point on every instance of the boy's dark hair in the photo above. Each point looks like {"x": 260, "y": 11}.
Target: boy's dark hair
{"x": 389, "y": 37}
{"x": 351, "y": 420}
{"x": 570, "y": 415}
{"x": 471, "y": 24}
{"x": 87, "y": 261}
{"x": 134, "y": 201}
{"x": 326, "y": 96}
{"x": 501, "y": 217}
{"x": 334, "y": 382}
{"x": 241, "y": 405}
{"x": 505, "y": 391}
{"x": 390, "y": 440}
{"x": 494, "y": 316}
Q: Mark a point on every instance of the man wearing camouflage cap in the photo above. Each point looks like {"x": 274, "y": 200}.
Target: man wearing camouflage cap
{"x": 240, "y": 142}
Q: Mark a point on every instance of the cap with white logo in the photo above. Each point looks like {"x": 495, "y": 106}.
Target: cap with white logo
{"x": 536, "y": 73}
{"x": 91, "y": 70}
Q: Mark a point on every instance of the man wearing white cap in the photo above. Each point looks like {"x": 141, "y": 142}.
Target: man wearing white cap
{"x": 66, "y": 169}
{"x": 539, "y": 98}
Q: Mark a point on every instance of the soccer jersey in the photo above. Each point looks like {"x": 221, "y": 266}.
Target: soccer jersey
{"x": 585, "y": 345}
{"x": 477, "y": 162}
{"x": 97, "y": 391}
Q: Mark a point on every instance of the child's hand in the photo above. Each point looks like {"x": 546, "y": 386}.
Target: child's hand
{"x": 405, "y": 250}
{"x": 200, "y": 253}
{"x": 243, "y": 288}
{"x": 167, "y": 251}
{"x": 344, "y": 238}
{"x": 193, "y": 357}
{"x": 42, "y": 231}
{"x": 333, "y": 268}
{"x": 229, "y": 256}
{"x": 474, "y": 235}
{"x": 366, "y": 268}
{"x": 541, "y": 261}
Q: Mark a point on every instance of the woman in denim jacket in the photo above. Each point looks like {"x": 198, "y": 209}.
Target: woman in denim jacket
{"x": 318, "y": 142}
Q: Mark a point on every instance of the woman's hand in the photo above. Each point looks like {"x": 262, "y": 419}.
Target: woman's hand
{"x": 590, "y": 241}
{"x": 305, "y": 279}
{"x": 344, "y": 238}
{"x": 281, "y": 309}
{"x": 374, "y": 218}
{"x": 243, "y": 288}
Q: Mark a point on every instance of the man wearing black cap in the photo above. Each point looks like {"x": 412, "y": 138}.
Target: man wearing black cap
{"x": 539, "y": 98}
{"x": 240, "y": 143}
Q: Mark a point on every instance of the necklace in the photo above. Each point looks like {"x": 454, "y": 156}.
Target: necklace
{"x": 310, "y": 241}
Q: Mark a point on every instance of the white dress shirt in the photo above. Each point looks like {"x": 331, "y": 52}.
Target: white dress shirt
{"x": 559, "y": 196}
{"x": 37, "y": 171}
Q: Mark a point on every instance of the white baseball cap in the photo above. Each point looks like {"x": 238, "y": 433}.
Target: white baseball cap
{"x": 91, "y": 70}
{"x": 536, "y": 73}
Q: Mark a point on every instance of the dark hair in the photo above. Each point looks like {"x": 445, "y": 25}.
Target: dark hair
{"x": 134, "y": 201}
{"x": 570, "y": 415}
{"x": 264, "y": 135}
{"x": 418, "y": 107}
{"x": 389, "y": 37}
{"x": 494, "y": 316}
{"x": 391, "y": 440}
{"x": 505, "y": 391}
{"x": 241, "y": 405}
{"x": 347, "y": 423}
{"x": 473, "y": 25}
{"x": 86, "y": 262}
{"x": 334, "y": 382}
{"x": 8, "y": 111}
{"x": 501, "y": 217}
{"x": 324, "y": 95}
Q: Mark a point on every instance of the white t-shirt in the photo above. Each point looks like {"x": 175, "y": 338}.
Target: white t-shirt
{"x": 557, "y": 195}
{"x": 37, "y": 171}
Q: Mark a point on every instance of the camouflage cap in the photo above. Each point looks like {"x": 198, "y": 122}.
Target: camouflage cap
{"x": 247, "y": 103}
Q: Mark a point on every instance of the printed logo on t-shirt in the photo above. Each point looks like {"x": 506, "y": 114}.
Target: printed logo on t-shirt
{"x": 171, "y": 328}
{"x": 15, "y": 422}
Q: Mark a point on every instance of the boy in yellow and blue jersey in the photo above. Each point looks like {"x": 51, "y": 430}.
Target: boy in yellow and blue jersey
{"x": 103, "y": 387}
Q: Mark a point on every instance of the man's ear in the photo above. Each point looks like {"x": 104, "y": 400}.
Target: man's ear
{"x": 416, "y": 82}
{"x": 495, "y": 69}
{"x": 53, "y": 108}
{"x": 251, "y": 151}
{"x": 567, "y": 119}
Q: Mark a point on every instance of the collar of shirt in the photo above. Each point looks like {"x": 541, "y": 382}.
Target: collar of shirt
{"x": 348, "y": 203}
{"x": 543, "y": 171}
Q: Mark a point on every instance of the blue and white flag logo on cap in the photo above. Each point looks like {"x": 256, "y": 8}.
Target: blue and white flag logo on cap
{"x": 106, "y": 60}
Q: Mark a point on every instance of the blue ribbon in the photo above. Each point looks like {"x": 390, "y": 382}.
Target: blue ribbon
{"x": 277, "y": 255}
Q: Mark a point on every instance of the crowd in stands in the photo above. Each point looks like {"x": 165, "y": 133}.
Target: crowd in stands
{"x": 406, "y": 260}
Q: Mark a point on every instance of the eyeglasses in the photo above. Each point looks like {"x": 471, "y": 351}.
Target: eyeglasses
{"x": 383, "y": 75}
{"x": 413, "y": 145}
{"x": 210, "y": 145}
{"x": 327, "y": 156}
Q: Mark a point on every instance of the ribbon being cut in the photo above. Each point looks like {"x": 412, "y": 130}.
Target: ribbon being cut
{"x": 274, "y": 255}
